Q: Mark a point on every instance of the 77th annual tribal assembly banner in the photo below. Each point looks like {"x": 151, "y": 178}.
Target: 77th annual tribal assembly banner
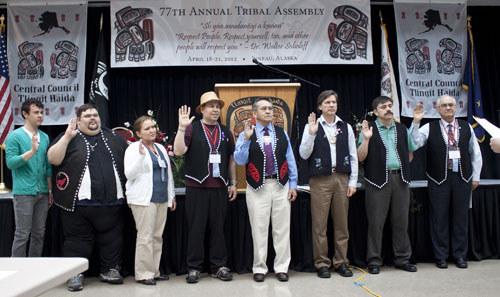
{"x": 46, "y": 50}
{"x": 432, "y": 54}
{"x": 234, "y": 32}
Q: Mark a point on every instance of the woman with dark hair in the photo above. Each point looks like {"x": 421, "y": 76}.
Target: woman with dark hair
{"x": 150, "y": 190}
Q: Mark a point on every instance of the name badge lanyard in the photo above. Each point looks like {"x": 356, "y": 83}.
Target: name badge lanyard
{"x": 161, "y": 162}
{"x": 451, "y": 138}
{"x": 214, "y": 156}
{"x": 212, "y": 141}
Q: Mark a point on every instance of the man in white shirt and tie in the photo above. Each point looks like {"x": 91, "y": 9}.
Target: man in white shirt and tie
{"x": 453, "y": 167}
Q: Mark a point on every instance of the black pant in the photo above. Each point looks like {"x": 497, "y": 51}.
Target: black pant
{"x": 392, "y": 199}
{"x": 206, "y": 207}
{"x": 86, "y": 224}
{"x": 449, "y": 203}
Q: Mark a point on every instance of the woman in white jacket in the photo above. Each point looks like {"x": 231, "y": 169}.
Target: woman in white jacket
{"x": 150, "y": 190}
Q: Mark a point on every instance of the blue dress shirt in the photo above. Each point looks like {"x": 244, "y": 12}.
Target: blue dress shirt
{"x": 242, "y": 150}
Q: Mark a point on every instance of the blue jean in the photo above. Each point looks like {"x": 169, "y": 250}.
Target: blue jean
{"x": 30, "y": 213}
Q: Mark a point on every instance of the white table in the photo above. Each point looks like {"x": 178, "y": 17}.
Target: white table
{"x": 34, "y": 276}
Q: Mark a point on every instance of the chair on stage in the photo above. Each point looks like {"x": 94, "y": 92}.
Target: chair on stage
{"x": 124, "y": 133}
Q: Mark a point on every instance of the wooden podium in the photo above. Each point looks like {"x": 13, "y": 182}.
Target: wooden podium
{"x": 238, "y": 99}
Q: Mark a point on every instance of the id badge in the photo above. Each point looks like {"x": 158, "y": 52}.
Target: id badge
{"x": 454, "y": 154}
{"x": 215, "y": 158}
{"x": 162, "y": 164}
{"x": 266, "y": 139}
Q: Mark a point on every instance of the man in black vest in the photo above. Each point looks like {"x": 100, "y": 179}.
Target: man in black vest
{"x": 210, "y": 169}
{"x": 271, "y": 186}
{"x": 453, "y": 167}
{"x": 386, "y": 147}
{"x": 330, "y": 148}
{"x": 89, "y": 188}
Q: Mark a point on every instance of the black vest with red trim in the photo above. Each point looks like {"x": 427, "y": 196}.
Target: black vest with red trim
{"x": 437, "y": 152}
{"x": 320, "y": 161}
{"x": 197, "y": 163}
{"x": 256, "y": 166}
{"x": 375, "y": 164}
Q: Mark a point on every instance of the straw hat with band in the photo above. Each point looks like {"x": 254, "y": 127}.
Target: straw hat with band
{"x": 208, "y": 97}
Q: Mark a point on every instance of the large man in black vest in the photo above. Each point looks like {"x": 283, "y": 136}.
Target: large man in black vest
{"x": 271, "y": 186}
{"x": 453, "y": 167}
{"x": 386, "y": 150}
{"x": 210, "y": 170}
{"x": 330, "y": 148}
{"x": 89, "y": 188}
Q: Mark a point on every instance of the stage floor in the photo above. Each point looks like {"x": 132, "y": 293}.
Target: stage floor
{"x": 480, "y": 279}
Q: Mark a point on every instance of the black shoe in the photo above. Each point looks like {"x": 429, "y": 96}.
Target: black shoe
{"x": 324, "y": 272}
{"x": 193, "y": 276}
{"x": 162, "y": 277}
{"x": 407, "y": 267}
{"x": 223, "y": 274}
{"x": 282, "y": 276}
{"x": 75, "y": 283}
{"x": 440, "y": 263}
{"x": 259, "y": 277}
{"x": 148, "y": 282}
{"x": 343, "y": 270}
{"x": 111, "y": 276}
{"x": 373, "y": 269}
{"x": 461, "y": 262}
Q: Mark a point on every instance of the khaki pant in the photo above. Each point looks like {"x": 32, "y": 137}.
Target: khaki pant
{"x": 149, "y": 222}
{"x": 329, "y": 195}
{"x": 270, "y": 202}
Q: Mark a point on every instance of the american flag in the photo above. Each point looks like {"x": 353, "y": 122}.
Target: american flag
{"x": 6, "y": 118}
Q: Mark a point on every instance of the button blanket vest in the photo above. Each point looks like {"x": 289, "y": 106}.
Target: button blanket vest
{"x": 198, "y": 153}
{"x": 437, "y": 152}
{"x": 320, "y": 161}
{"x": 375, "y": 164}
{"x": 67, "y": 177}
{"x": 256, "y": 160}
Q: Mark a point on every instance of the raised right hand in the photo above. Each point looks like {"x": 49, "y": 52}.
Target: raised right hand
{"x": 184, "y": 119}
{"x": 367, "y": 132}
{"x": 313, "y": 123}
{"x": 34, "y": 142}
{"x": 418, "y": 113}
{"x": 249, "y": 128}
{"x": 71, "y": 130}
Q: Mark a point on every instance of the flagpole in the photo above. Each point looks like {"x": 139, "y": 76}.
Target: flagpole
{"x": 100, "y": 24}
{"x": 3, "y": 188}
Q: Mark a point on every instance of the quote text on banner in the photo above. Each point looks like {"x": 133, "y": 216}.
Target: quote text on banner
{"x": 224, "y": 32}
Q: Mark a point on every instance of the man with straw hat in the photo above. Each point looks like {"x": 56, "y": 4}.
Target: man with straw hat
{"x": 210, "y": 170}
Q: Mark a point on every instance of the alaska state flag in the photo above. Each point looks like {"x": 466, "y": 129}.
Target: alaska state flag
{"x": 472, "y": 84}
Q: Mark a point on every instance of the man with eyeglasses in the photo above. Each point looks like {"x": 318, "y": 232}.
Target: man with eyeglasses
{"x": 90, "y": 190}
{"x": 271, "y": 187}
{"x": 453, "y": 167}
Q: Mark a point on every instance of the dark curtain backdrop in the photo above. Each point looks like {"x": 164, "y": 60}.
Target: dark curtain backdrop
{"x": 164, "y": 89}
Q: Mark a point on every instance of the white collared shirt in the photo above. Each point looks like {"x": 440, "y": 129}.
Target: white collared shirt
{"x": 420, "y": 136}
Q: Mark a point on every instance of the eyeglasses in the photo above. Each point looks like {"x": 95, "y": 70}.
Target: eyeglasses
{"x": 446, "y": 105}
